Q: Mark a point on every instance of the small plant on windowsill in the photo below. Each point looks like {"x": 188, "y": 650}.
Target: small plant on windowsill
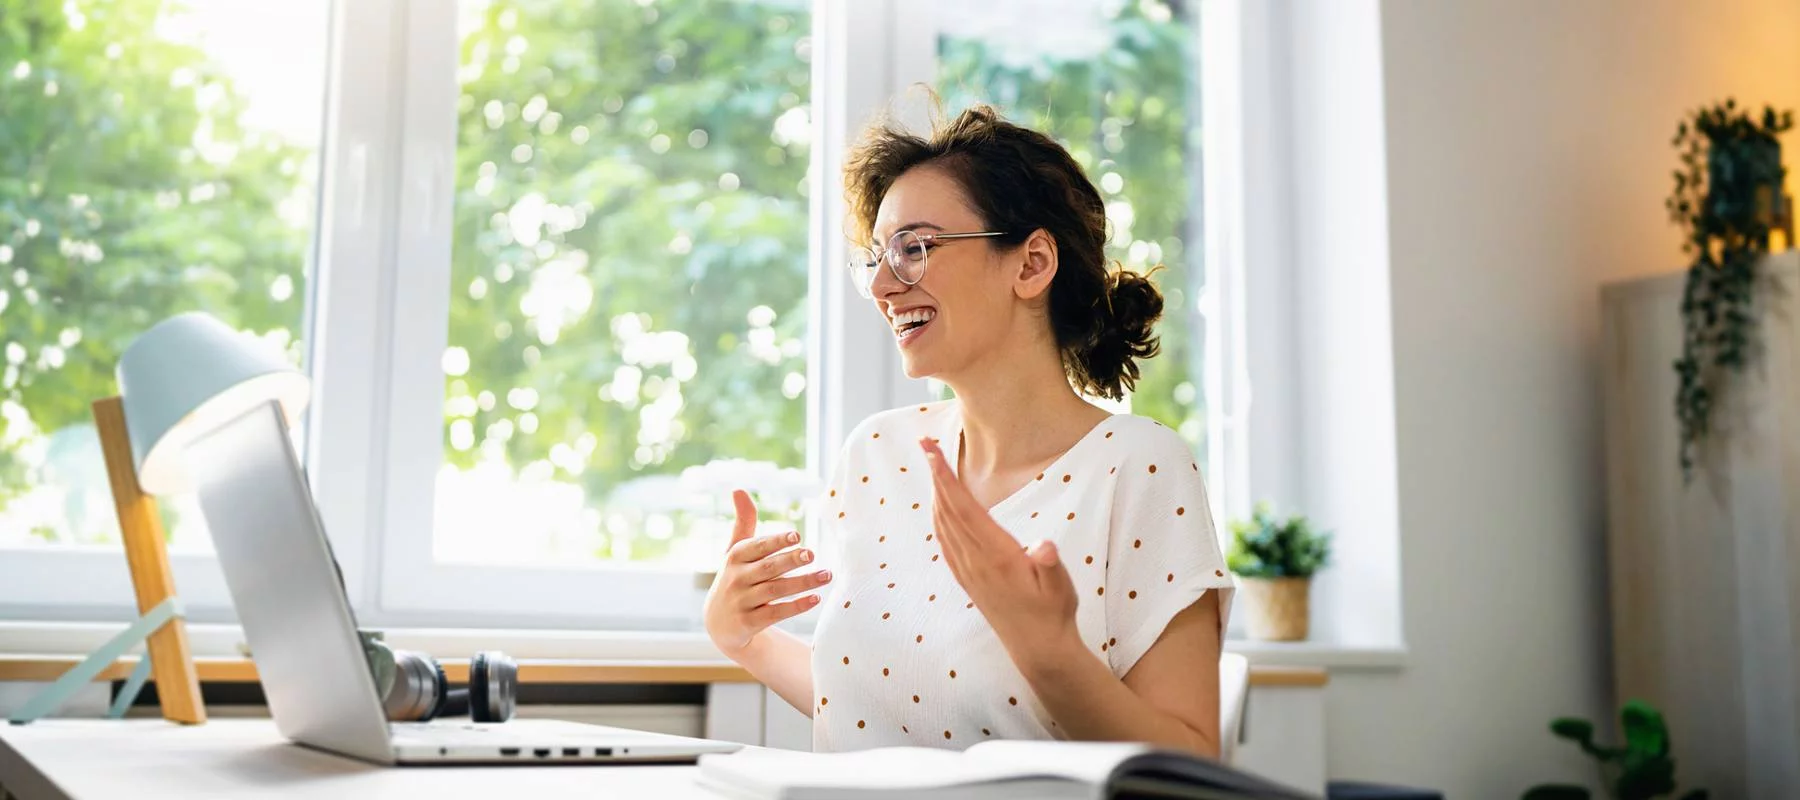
{"x": 1275, "y": 560}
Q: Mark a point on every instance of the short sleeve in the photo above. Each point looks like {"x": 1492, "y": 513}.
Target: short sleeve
{"x": 1163, "y": 552}
{"x": 829, "y": 506}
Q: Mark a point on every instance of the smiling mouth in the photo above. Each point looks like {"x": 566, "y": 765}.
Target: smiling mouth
{"x": 908, "y": 326}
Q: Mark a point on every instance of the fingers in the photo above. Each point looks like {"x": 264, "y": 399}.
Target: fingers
{"x": 958, "y": 504}
{"x": 771, "y": 591}
{"x": 1051, "y": 572}
{"x": 746, "y": 517}
{"x": 949, "y": 536}
{"x": 779, "y": 564}
{"x": 749, "y": 551}
{"x": 946, "y": 503}
{"x": 775, "y": 612}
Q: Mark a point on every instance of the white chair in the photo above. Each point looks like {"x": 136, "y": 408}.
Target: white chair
{"x": 1234, "y": 695}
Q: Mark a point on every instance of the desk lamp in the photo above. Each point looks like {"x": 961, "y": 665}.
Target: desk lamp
{"x": 177, "y": 381}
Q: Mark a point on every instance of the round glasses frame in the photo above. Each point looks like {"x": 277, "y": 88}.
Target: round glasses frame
{"x": 906, "y": 255}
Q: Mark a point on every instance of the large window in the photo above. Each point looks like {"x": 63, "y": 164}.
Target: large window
{"x": 629, "y": 273}
{"x": 576, "y": 263}
{"x": 1118, "y": 85}
{"x": 153, "y": 160}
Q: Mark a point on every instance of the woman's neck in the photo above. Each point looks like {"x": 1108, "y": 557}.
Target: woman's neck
{"x": 1020, "y": 413}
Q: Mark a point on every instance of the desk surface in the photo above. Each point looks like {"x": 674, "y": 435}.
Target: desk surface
{"x": 153, "y": 759}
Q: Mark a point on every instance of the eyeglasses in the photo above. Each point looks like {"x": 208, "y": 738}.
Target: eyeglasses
{"x": 905, "y": 255}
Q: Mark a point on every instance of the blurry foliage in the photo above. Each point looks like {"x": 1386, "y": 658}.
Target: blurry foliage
{"x": 1265, "y": 546}
{"x": 1132, "y": 109}
{"x": 111, "y": 219}
{"x": 630, "y": 118}
{"x": 630, "y": 205}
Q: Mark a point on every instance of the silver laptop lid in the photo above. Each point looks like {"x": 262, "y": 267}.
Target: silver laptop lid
{"x": 285, "y": 585}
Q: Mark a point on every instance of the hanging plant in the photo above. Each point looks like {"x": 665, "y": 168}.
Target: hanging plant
{"x": 1727, "y": 199}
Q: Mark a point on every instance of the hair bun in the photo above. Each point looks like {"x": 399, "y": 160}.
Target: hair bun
{"x": 1124, "y": 333}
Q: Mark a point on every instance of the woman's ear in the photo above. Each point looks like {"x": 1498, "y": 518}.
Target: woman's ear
{"x": 1037, "y": 267}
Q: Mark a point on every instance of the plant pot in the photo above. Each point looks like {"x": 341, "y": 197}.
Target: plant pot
{"x": 1278, "y": 607}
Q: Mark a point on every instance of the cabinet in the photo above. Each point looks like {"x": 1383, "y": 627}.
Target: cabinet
{"x": 1704, "y": 578}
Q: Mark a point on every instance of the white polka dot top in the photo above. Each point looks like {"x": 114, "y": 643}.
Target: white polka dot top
{"x": 902, "y": 657}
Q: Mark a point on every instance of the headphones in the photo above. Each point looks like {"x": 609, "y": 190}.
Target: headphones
{"x": 413, "y": 689}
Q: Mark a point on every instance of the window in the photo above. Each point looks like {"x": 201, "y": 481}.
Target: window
{"x": 577, "y": 263}
{"x": 624, "y": 319}
{"x": 154, "y": 161}
{"x": 628, "y": 275}
{"x": 1118, "y": 85}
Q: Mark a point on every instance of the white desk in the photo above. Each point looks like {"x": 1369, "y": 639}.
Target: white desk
{"x": 230, "y": 758}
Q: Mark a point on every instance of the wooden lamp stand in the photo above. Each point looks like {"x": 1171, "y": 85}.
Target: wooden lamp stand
{"x": 161, "y": 623}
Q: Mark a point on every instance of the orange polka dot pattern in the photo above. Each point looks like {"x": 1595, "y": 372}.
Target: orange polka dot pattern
{"x": 897, "y": 659}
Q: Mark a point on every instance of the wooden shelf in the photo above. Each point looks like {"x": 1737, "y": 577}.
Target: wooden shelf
{"x": 1300, "y": 677}
{"x": 240, "y": 670}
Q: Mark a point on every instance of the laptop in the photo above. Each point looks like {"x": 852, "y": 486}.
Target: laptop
{"x": 297, "y": 620}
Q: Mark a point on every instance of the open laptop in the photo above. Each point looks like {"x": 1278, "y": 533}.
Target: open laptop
{"x": 303, "y": 638}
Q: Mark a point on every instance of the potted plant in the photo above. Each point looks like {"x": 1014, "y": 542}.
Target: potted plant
{"x": 1275, "y": 561}
{"x": 1640, "y": 770}
{"x": 1727, "y": 200}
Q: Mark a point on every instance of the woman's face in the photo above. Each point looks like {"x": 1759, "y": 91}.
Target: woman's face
{"x": 965, "y": 301}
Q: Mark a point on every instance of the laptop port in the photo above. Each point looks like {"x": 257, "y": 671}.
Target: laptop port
{"x": 571, "y": 751}
{"x": 541, "y": 752}
{"x": 509, "y": 751}
{"x": 603, "y": 751}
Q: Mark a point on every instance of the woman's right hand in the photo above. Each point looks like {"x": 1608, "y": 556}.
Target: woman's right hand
{"x": 743, "y": 598}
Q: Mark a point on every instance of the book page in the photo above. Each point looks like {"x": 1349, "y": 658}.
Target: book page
{"x": 1121, "y": 765}
{"x": 882, "y": 768}
{"x": 1088, "y": 762}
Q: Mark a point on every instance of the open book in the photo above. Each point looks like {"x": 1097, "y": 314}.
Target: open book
{"x": 1049, "y": 770}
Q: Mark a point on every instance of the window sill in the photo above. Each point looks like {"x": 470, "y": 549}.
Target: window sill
{"x": 223, "y": 641}
{"x": 1323, "y": 655}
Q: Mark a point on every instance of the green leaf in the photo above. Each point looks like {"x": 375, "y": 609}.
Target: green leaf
{"x": 1645, "y": 732}
{"x": 1267, "y": 547}
{"x": 1580, "y": 731}
{"x": 1645, "y": 777}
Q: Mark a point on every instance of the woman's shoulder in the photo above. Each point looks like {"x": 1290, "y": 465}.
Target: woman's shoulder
{"x": 899, "y": 427}
{"x": 923, "y": 419}
{"x": 1144, "y": 440}
{"x": 1144, "y": 431}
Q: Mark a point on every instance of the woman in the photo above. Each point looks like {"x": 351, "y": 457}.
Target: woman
{"x": 940, "y": 626}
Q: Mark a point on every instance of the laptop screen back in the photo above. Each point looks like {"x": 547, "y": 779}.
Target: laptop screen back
{"x": 285, "y": 586}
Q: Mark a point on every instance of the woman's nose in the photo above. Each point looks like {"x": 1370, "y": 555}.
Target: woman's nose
{"x": 885, "y": 282}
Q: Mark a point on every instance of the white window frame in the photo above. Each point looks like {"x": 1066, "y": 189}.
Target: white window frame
{"x": 380, "y": 301}
{"x": 1238, "y": 193}
{"x": 845, "y": 384}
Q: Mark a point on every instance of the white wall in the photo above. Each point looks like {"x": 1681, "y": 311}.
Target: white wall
{"x": 1527, "y": 156}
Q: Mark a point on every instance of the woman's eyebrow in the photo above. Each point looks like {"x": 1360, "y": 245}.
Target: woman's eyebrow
{"x": 910, "y": 226}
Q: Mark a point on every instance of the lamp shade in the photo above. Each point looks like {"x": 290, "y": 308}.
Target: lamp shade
{"x": 185, "y": 376}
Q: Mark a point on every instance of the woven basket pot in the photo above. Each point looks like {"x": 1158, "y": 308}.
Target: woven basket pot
{"x": 1277, "y": 607}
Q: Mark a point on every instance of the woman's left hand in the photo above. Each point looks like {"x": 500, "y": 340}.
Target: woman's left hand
{"x": 1027, "y": 596}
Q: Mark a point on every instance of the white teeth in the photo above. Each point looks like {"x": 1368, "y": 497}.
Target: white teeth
{"x": 901, "y": 321}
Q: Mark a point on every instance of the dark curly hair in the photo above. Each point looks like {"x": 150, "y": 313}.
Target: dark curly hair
{"x": 1020, "y": 181}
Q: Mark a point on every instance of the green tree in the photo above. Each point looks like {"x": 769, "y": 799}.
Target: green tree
{"x": 129, "y": 192}
{"x": 631, "y": 190}
{"x": 630, "y": 258}
{"x": 1127, "y": 108}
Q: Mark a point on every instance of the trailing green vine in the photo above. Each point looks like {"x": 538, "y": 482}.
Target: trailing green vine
{"x": 1726, "y": 195}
